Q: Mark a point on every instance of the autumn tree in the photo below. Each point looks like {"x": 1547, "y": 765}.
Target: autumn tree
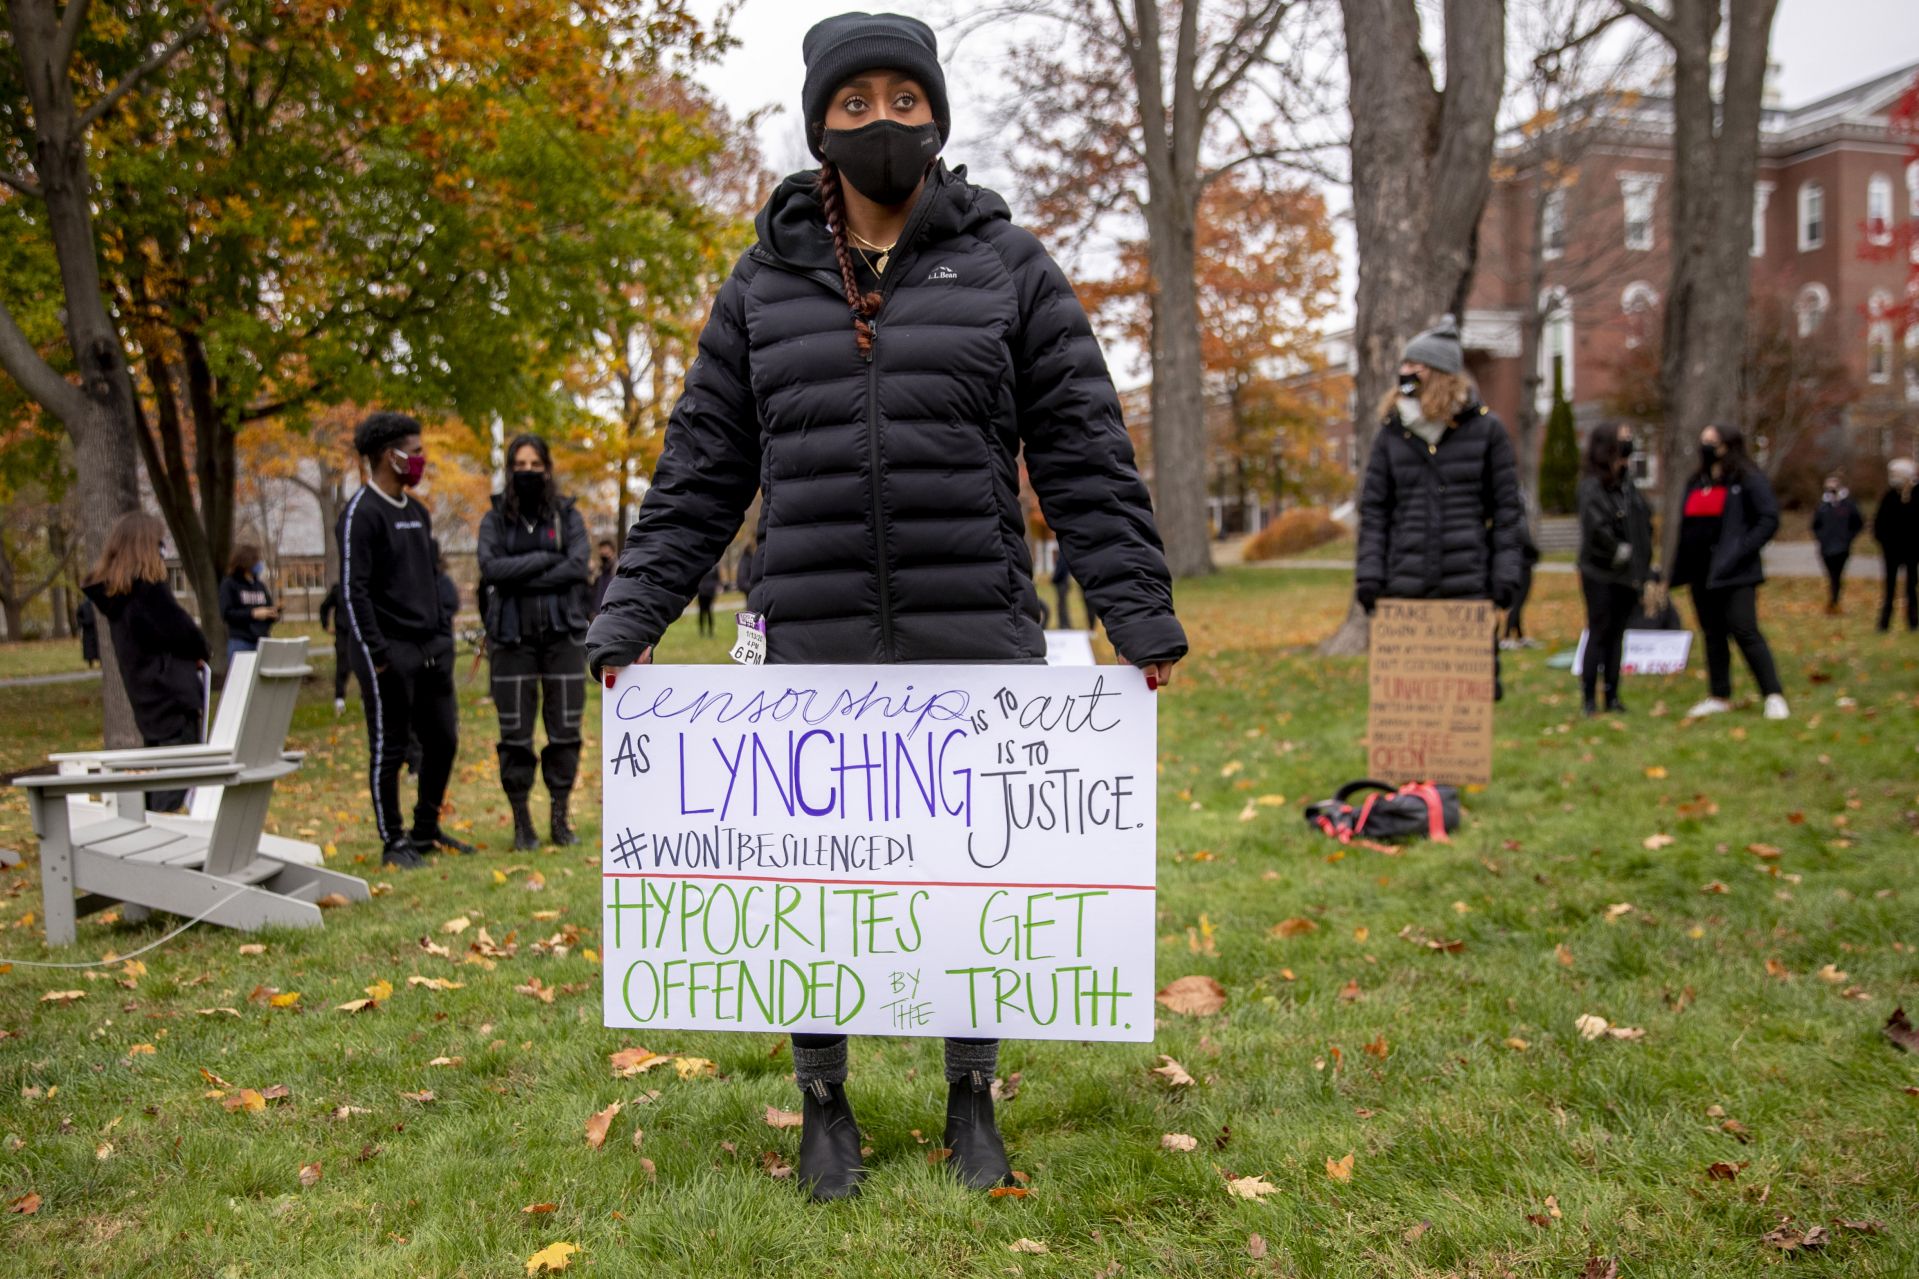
{"x": 1719, "y": 51}
{"x": 36, "y": 552}
{"x": 1421, "y": 171}
{"x": 1134, "y": 109}
{"x": 1267, "y": 275}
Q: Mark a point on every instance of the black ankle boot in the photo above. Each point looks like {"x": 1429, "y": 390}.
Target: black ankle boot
{"x": 562, "y": 830}
{"x": 830, "y": 1162}
{"x": 1588, "y": 707}
{"x": 1613, "y": 705}
{"x": 979, "y": 1156}
{"x": 524, "y": 836}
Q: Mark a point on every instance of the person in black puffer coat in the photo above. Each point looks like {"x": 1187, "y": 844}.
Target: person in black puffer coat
{"x": 535, "y": 564}
{"x": 1440, "y": 516}
{"x": 1615, "y": 557}
{"x": 1895, "y": 526}
{"x": 159, "y": 647}
{"x": 1835, "y": 524}
{"x": 1728, "y": 517}
{"x": 886, "y": 444}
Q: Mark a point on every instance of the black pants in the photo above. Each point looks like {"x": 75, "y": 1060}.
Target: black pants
{"x": 1064, "y": 592}
{"x": 1516, "y": 615}
{"x": 1912, "y": 593}
{"x": 171, "y": 801}
{"x": 1608, "y": 605}
{"x": 342, "y": 664}
{"x": 706, "y": 614}
{"x": 1835, "y": 576}
{"x": 412, "y": 697}
{"x": 1729, "y": 616}
{"x": 544, "y": 678}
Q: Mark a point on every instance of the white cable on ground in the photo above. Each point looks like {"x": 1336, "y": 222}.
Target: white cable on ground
{"x": 120, "y": 959}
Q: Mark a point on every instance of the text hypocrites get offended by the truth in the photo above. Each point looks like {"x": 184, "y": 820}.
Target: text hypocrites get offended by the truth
{"x": 928, "y": 850}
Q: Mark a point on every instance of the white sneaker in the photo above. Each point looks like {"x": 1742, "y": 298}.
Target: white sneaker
{"x": 339, "y": 705}
{"x": 1776, "y": 707}
{"x": 1711, "y": 706}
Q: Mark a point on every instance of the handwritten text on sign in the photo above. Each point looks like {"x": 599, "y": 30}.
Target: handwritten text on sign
{"x": 1430, "y": 716}
{"x": 881, "y": 850}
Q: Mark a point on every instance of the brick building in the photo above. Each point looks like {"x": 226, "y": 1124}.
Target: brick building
{"x": 1831, "y": 181}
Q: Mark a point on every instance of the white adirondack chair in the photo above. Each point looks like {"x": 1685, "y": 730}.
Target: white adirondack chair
{"x": 219, "y": 874}
{"x": 203, "y": 804}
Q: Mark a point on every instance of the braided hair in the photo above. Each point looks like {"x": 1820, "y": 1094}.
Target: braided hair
{"x": 865, "y": 305}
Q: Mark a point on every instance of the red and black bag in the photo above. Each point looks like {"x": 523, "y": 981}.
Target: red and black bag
{"x": 1417, "y": 808}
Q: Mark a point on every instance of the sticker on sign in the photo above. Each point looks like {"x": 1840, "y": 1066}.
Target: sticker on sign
{"x": 962, "y": 851}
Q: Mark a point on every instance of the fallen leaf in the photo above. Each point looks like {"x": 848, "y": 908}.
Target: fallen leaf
{"x": 432, "y": 947}
{"x": 356, "y": 1005}
{"x": 26, "y": 1205}
{"x": 423, "y": 1096}
{"x": 1590, "y": 1027}
{"x": 1715, "y": 887}
{"x": 1027, "y": 1245}
{"x": 276, "y": 1092}
{"x": 62, "y": 996}
{"x": 1600, "y": 1268}
{"x": 1195, "y": 996}
{"x": 774, "y": 1166}
{"x": 435, "y": 983}
{"x": 1361, "y": 934}
{"x": 1789, "y": 1238}
{"x": 628, "y": 1062}
{"x": 1723, "y": 1171}
{"x": 1733, "y": 1128}
{"x": 1178, "y": 1141}
{"x": 1832, "y": 974}
{"x": 213, "y": 1012}
{"x": 1656, "y": 773}
{"x": 1765, "y": 852}
{"x": 333, "y": 901}
{"x": 447, "y": 1061}
{"x": 553, "y": 1258}
{"x": 1377, "y": 1048}
{"x": 459, "y": 924}
{"x": 535, "y": 1210}
{"x": 347, "y": 1112}
{"x": 1254, "y": 1188}
{"x": 1778, "y": 970}
{"x": 1900, "y": 1031}
{"x": 213, "y": 1079}
{"x": 1350, "y": 992}
{"x": 1657, "y": 842}
{"x": 253, "y": 948}
{"x": 1175, "y": 1073}
{"x": 141, "y": 1050}
{"x": 1618, "y": 910}
{"x": 1340, "y": 1169}
{"x": 1414, "y": 1232}
{"x": 777, "y": 1118}
{"x": 310, "y": 1174}
{"x": 596, "y": 1126}
{"x": 381, "y": 989}
{"x": 1008, "y": 1192}
{"x": 248, "y": 1099}
{"x": 1863, "y": 1227}
{"x": 1517, "y": 1045}
{"x": 1294, "y": 927}
{"x": 286, "y": 999}
{"x": 103, "y": 1151}
{"x": 1563, "y": 953}
{"x": 1255, "y": 1247}
{"x": 693, "y": 1067}
{"x": 538, "y": 989}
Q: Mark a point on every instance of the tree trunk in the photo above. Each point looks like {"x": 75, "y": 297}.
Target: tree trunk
{"x": 1180, "y": 444}
{"x": 1422, "y": 169}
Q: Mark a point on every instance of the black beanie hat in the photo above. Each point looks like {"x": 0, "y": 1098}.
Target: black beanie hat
{"x": 839, "y": 48}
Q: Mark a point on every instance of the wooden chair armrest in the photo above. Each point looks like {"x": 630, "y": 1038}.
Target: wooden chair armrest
{"x": 53, "y": 784}
{"x": 139, "y": 756}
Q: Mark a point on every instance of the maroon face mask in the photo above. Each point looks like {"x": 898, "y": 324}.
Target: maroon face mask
{"x": 411, "y": 468}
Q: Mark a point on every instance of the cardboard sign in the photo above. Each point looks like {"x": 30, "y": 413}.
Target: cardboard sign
{"x": 1430, "y": 713}
{"x": 924, "y": 850}
{"x": 1645, "y": 653}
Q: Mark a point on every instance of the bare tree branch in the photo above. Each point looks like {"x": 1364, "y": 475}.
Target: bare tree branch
{"x": 131, "y": 81}
{"x": 25, "y": 186}
{"x": 38, "y": 378}
{"x": 72, "y": 22}
{"x": 1652, "y": 18}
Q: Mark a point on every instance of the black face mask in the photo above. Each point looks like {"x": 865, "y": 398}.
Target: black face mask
{"x": 884, "y": 160}
{"x": 1708, "y": 457}
{"x": 1409, "y": 384}
{"x": 1625, "y": 450}
{"x": 529, "y": 490}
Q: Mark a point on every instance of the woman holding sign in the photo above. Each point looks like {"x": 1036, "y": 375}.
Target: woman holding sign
{"x": 876, "y": 366}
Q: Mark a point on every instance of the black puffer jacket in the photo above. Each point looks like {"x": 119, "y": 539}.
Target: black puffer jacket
{"x": 891, "y": 529}
{"x": 1443, "y": 521}
{"x": 159, "y": 648}
{"x": 1750, "y": 520}
{"x": 1612, "y": 516}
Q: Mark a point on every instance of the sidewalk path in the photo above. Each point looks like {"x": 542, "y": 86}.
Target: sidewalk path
{"x": 64, "y": 677}
{"x": 1782, "y": 559}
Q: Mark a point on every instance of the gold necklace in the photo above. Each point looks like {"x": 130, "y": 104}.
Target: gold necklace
{"x": 884, "y": 250}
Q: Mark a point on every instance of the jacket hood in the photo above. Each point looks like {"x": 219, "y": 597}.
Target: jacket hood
{"x": 791, "y": 225}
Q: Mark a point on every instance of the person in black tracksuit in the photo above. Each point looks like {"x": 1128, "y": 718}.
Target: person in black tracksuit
{"x": 402, "y": 653}
{"x": 534, "y": 565}
{"x": 1615, "y": 557}
{"x": 876, "y": 365}
{"x": 1440, "y": 516}
{"x": 1728, "y": 516}
{"x": 1835, "y": 524}
{"x": 333, "y": 620}
{"x": 160, "y": 649}
{"x": 1895, "y": 526}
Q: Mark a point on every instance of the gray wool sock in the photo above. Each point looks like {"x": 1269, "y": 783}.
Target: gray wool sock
{"x": 963, "y": 1058}
{"x": 827, "y": 1065}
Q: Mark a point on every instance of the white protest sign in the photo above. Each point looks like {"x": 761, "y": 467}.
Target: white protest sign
{"x": 925, "y": 850}
{"x": 1645, "y": 652}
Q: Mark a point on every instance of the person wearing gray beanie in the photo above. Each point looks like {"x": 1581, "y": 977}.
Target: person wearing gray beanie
{"x": 1437, "y": 348}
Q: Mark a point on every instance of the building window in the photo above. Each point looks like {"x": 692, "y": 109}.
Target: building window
{"x": 1640, "y": 192}
{"x": 1912, "y": 364}
{"x": 1761, "y": 197}
{"x": 1879, "y": 209}
{"x": 1879, "y": 352}
{"x": 1640, "y": 304}
{"x": 1812, "y": 216}
{"x": 1811, "y": 306}
{"x": 1912, "y": 189}
{"x": 1552, "y": 225}
{"x": 1555, "y": 346}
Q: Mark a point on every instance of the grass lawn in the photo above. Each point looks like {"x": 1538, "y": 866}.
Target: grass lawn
{"x": 1760, "y": 950}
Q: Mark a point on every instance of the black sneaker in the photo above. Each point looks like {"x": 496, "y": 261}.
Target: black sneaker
{"x": 433, "y": 841}
{"x": 403, "y": 854}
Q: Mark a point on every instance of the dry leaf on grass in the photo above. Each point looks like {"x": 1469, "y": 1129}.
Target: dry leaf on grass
{"x": 538, "y": 989}
{"x": 286, "y": 999}
{"x": 1350, "y": 992}
{"x": 1656, "y": 842}
{"x": 62, "y": 996}
{"x": 1340, "y": 1169}
{"x": 253, "y": 948}
{"x": 26, "y": 1205}
{"x": 535, "y": 1210}
{"x": 1027, "y": 1245}
{"x": 249, "y": 1099}
{"x": 333, "y": 901}
{"x": 458, "y": 924}
{"x": 1254, "y": 1188}
{"x": 777, "y": 1118}
{"x": 435, "y": 983}
{"x": 1294, "y": 927}
{"x": 1723, "y": 1171}
{"x": 1600, "y": 1268}
{"x": 1416, "y": 1231}
{"x": 1255, "y": 1247}
{"x": 1832, "y": 974}
{"x": 1789, "y": 1238}
{"x": 1377, "y": 1048}
{"x": 1901, "y": 1032}
{"x": 694, "y": 1067}
{"x": 1517, "y": 1045}
{"x": 1175, "y": 1073}
{"x": 310, "y": 1174}
{"x": 423, "y": 1096}
{"x": 628, "y": 1062}
{"x": 553, "y": 1258}
{"x": 356, "y": 1005}
{"x": 774, "y": 1166}
{"x": 596, "y": 1126}
{"x": 1195, "y": 996}
{"x": 1178, "y": 1141}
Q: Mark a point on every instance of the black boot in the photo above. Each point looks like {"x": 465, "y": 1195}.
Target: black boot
{"x": 561, "y": 828}
{"x": 979, "y": 1156}
{"x": 525, "y": 838}
{"x": 830, "y": 1161}
{"x": 1588, "y": 707}
{"x": 1613, "y": 705}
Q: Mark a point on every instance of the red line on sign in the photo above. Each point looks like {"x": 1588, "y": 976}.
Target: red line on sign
{"x": 885, "y": 883}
